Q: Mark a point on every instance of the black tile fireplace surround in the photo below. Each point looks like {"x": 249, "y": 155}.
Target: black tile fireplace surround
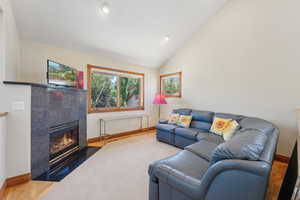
{"x": 58, "y": 125}
{"x": 58, "y": 130}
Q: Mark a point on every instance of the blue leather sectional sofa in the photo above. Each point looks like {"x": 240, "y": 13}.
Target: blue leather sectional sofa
{"x": 209, "y": 168}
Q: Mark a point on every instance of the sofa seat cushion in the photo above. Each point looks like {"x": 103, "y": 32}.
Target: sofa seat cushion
{"x": 183, "y": 163}
{"x": 166, "y": 127}
{"x": 210, "y": 137}
{"x": 190, "y": 133}
{"x": 203, "y": 149}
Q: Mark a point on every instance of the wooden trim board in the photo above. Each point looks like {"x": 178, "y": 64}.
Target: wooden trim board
{"x": 3, "y": 186}
{"x": 282, "y": 158}
{"x": 118, "y": 135}
{"x": 114, "y": 70}
{"x": 2, "y": 189}
{"x": 13, "y": 181}
{"x": 18, "y": 180}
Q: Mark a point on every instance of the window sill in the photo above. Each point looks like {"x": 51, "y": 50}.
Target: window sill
{"x": 114, "y": 110}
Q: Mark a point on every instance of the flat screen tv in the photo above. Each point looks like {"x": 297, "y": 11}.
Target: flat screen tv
{"x": 59, "y": 74}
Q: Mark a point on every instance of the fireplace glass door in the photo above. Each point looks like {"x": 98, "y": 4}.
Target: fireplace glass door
{"x": 63, "y": 138}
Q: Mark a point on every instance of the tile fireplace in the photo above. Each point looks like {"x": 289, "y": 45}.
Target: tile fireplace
{"x": 58, "y": 131}
{"x": 57, "y": 124}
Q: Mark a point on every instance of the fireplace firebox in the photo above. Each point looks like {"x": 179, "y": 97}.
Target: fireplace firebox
{"x": 63, "y": 141}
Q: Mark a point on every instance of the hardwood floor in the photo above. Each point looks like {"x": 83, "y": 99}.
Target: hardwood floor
{"x": 276, "y": 178}
{"x": 32, "y": 190}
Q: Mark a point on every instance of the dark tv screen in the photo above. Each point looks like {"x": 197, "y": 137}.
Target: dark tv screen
{"x": 59, "y": 74}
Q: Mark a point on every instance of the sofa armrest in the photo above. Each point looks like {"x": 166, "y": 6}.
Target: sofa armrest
{"x": 152, "y": 167}
{"x": 163, "y": 121}
{"x": 256, "y": 167}
{"x": 246, "y": 178}
{"x": 177, "y": 180}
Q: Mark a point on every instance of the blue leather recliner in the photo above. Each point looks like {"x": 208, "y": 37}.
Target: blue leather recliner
{"x": 208, "y": 168}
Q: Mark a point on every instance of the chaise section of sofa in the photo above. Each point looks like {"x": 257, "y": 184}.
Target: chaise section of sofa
{"x": 209, "y": 168}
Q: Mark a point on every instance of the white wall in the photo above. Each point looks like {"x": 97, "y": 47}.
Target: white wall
{"x": 34, "y": 67}
{"x": 11, "y": 43}
{"x": 245, "y": 61}
{"x": 2, "y": 43}
{"x": 9, "y": 60}
{"x": 2, "y": 120}
{"x": 9, "y": 47}
{"x": 18, "y": 149}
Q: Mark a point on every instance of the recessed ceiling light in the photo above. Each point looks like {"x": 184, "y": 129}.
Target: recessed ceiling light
{"x": 167, "y": 38}
{"x": 104, "y": 9}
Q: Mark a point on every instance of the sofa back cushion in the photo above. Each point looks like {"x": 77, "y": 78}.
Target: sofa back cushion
{"x": 203, "y": 149}
{"x": 258, "y": 124}
{"x": 247, "y": 144}
{"x": 270, "y": 146}
{"x": 204, "y": 116}
{"x": 183, "y": 111}
{"x": 235, "y": 117}
{"x": 202, "y": 119}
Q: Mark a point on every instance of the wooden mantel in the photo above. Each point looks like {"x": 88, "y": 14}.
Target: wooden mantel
{"x": 3, "y": 114}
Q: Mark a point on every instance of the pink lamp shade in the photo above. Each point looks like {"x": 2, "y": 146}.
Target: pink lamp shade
{"x": 159, "y": 99}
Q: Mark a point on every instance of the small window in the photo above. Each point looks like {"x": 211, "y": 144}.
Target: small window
{"x": 114, "y": 90}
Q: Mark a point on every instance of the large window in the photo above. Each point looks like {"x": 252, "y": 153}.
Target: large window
{"x": 114, "y": 90}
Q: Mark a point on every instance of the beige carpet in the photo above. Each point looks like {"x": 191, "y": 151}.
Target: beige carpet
{"x": 118, "y": 171}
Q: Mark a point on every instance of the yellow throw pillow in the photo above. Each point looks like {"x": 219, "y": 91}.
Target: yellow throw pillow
{"x": 219, "y": 125}
{"x": 184, "y": 121}
{"x": 229, "y": 131}
{"x": 174, "y": 118}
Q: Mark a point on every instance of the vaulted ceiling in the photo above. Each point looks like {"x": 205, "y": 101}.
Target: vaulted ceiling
{"x": 134, "y": 29}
